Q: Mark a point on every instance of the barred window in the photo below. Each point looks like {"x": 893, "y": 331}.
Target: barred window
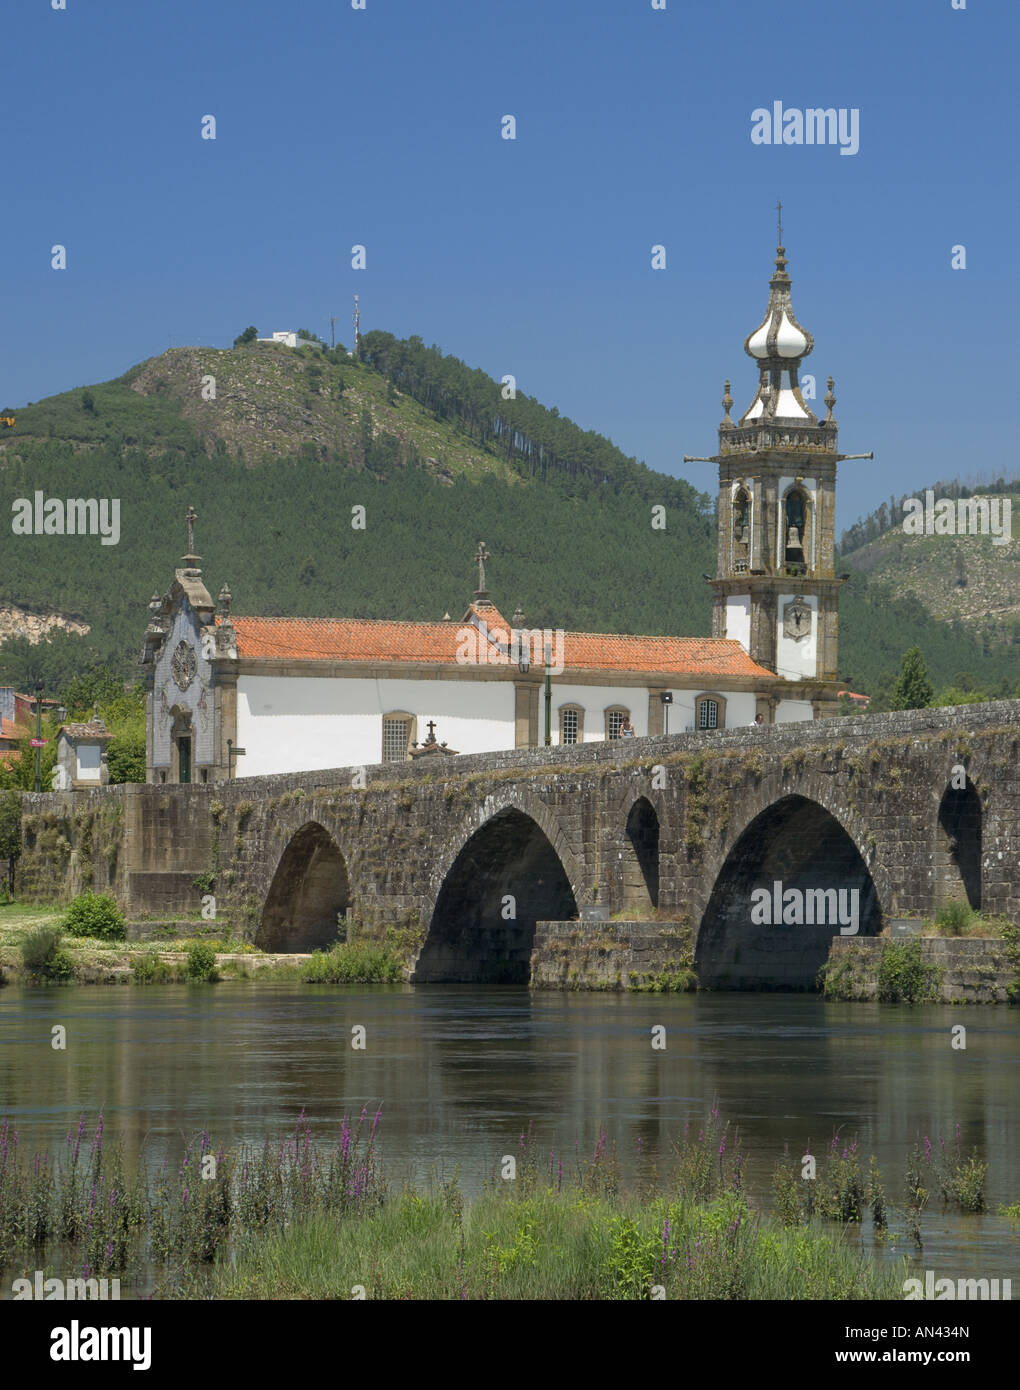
{"x": 708, "y": 714}
{"x": 570, "y": 726}
{"x": 396, "y": 739}
{"x": 614, "y": 722}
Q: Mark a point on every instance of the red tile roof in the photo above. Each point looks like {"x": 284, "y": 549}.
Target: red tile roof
{"x": 380, "y": 640}
{"x": 8, "y": 729}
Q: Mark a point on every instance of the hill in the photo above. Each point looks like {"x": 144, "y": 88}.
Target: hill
{"x": 292, "y": 440}
{"x": 966, "y": 582}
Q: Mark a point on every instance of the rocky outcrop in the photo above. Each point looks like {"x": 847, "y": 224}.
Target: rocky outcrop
{"x": 16, "y": 621}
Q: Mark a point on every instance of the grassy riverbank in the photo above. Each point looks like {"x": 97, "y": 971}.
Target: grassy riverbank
{"x": 294, "y": 1219}
{"x": 36, "y": 946}
{"x": 43, "y": 944}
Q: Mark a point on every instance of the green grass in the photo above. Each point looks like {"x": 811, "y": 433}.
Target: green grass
{"x": 293, "y": 1219}
{"x": 554, "y": 1246}
{"x": 356, "y": 962}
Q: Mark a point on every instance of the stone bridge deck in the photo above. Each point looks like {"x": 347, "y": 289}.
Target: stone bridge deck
{"x": 456, "y": 860}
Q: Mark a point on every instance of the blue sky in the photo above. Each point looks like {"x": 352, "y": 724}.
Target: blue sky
{"x": 382, "y": 127}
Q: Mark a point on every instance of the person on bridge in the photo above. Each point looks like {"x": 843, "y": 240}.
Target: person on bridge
{"x": 757, "y": 720}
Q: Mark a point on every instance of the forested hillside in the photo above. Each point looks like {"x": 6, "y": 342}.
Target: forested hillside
{"x": 293, "y": 440}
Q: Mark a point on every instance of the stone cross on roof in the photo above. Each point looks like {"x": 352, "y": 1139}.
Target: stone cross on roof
{"x": 191, "y": 559}
{"x": 481, "y": 593}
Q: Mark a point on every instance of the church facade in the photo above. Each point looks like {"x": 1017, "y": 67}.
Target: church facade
{"x": 233, "y": 696}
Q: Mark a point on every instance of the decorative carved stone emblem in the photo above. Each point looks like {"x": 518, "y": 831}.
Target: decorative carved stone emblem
{"x": 796, "y": 619}
{"x": 184, "y": 666}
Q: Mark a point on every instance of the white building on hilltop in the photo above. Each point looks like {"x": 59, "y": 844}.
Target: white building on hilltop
{"x": 284, "y": 339}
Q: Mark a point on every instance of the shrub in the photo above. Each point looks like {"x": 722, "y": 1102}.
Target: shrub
{"x": 39, "y": 950}
{"x": 60, "y": 966}
{"x": 150, "y": 970}
{"x": 352, "y": 963}
{"x": 903, "y": 975}
{"x": 201, "y": 962}
{"x": 95, "y": 914}
{"x": 955, "y": 918}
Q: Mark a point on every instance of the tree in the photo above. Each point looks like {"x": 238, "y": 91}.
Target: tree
{"x": 10, "y": 833}
{"x": 96, "y": 685}
{"x": 125, "y": 757}
{"x": 913, "y": 689}
{"x": 248, "y": 336}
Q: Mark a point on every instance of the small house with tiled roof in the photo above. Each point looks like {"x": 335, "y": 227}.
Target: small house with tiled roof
{"x": 81, "y": 755}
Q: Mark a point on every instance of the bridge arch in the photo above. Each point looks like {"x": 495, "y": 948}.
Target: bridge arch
{"x": 958, "y": 846}
{"x": 511, "y": 868}
{"x": 641, "y": 855}
{"x": 309, "y": 890}
{"x": 746, "y": 942}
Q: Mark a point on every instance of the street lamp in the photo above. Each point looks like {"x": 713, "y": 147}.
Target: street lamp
{"x": 233, "y": 753}
{"x": 666, "y": 696}
{"x": 38, "y": 735}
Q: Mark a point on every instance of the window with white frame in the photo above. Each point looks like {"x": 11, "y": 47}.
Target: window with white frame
{"x": 615, "y": 720}
{"x": 571, "y": 724}
{"x": 708, "y": 714}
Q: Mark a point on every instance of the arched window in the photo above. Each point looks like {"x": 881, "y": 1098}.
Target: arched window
{"x": 710, "y": 711}
{"x": 797, "y": 540}
{"x": 571, "y": 724}
{"x": 741, "y": 530}
{"x": 616, "y": 717}
{"x": 397, "y": 736}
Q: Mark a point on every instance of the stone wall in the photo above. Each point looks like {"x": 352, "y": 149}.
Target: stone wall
{"x": 72, "y": 841}
{"x": 609, "y": 955}
{"x": 974, "y": 969}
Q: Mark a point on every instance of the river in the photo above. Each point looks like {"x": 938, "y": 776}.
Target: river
{"x": 460, "y": 1070}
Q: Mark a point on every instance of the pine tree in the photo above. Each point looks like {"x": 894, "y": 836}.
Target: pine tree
{"x": 913, "y": 689}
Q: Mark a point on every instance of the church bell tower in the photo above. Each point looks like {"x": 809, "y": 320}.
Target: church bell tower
{"x": 776, "y": 590}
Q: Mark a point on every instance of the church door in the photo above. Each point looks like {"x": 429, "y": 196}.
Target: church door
{"x": 184, "y": 759}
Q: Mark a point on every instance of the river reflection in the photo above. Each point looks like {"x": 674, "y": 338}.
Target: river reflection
{"x": 460, "y": 1070}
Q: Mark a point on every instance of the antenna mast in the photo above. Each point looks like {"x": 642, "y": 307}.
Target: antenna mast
{"x": 357, "y": 326}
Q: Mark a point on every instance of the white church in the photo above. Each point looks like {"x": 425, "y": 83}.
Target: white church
{"x": 233, "y": 696}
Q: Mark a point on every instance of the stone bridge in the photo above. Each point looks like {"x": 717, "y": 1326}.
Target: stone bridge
{"x": 467, "y": 864}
